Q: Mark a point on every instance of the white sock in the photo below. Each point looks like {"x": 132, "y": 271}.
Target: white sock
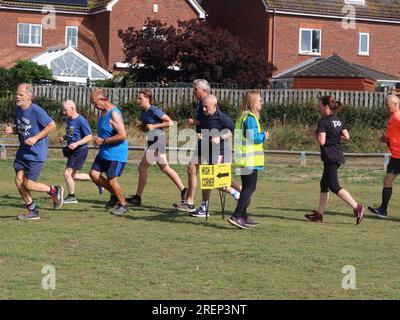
{"x": 235, "y": 194}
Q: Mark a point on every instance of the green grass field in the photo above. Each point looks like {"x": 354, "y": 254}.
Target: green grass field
{"x": 155, "y": 252}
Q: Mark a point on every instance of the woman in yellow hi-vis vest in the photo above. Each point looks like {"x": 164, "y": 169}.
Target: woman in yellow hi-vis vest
{"x": 248, "y": 155}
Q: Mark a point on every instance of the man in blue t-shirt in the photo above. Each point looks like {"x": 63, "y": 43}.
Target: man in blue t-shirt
{"x": 113, "y": 153}
{"x": 78, "y": 135}
{"x": 202, "y": 89}
{"x": 32, "y": 125}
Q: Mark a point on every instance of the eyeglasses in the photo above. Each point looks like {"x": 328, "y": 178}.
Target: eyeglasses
{"x": 100, "y": 99}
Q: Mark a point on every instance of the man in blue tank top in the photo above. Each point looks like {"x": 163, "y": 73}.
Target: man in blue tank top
{"x": 113, "y": 153}
{"x": 32, "y": 125}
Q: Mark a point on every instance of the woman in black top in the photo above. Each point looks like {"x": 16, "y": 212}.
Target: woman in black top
{"x": 329, "y": 133}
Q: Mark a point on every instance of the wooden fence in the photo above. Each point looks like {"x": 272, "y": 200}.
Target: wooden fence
{"x": 175, "y": 96}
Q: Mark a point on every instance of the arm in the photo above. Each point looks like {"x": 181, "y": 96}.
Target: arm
{"x": 166, "y": 122}
{"x": 44, "y": 133}
{"x": 192, "y": 122}
{"x": 252, "y": 132}
{"x": 63, "y": 138}
{"x": 321, "y": 138}
{"x": 227, "y": 131}
{"x": 9, "y": 129}
{"x": 345, "y": 135}
{"x": 83, "y": 141}
{"x": 139, "y": 125}
{"x": 118, "y": 125}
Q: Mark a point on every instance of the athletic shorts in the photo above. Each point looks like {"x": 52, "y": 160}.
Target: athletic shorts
{"x": 77, "y": 159}
{"x": 157, "y": 144}
{"x": 32, "y": 169}
{"x": 393, "y": 166}
{"x": 208, "y": 155}
{"x": 112, "y": 169}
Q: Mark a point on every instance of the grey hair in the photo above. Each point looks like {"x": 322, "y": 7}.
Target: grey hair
{"x": 202, "y": 84}
{"x": 28, "y": 88}
{"x": 394, "y": 98}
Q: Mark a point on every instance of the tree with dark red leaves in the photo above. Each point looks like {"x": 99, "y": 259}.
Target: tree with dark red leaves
{"x": 198, "y": 50}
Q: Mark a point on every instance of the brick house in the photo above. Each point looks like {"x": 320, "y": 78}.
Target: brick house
{"x": 290, "y": 32}
{"x": 33, "y": 28}
{"x": 333, "y": 73}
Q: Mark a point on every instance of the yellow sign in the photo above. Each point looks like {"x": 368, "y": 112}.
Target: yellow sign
{"x": 215, "y": 176}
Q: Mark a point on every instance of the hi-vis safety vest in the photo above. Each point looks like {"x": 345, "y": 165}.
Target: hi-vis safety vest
{"x": 246, "y": 152}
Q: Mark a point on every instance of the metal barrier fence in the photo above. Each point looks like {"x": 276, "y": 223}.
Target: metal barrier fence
{"x": 302, "y": 154}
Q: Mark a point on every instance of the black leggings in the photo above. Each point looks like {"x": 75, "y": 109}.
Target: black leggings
{"x": 330, "y": 180}
{"x": 249, "y": 182}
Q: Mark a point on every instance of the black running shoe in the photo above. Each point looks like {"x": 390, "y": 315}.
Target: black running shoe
{"x": 135, "y": 200}
{"x": 112, "y": 202}
{"x": 378, "y": 212}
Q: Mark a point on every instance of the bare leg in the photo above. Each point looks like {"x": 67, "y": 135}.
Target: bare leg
{"x": 23, "y": 191}
{"x": 69, "y": 179}
{"x": 36, "y": 186}
{"x": 81, "y": 176}
{"x": 236, "y": 185}
{"x": 192, "y": 181}
{"x": 323, "y": 201}
{"x": 171, "y": 173}
{"x": 117, "y": 190}
{"x": 346, "y": 197}
{"x": 143, "y": 167}
{"x": 100, "y": 181}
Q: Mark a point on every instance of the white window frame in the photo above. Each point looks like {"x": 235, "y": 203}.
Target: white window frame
{"x": 359, "y": 2}
{"x": 30, "y": 44}
{"x": 363, "y": 53}
{"x": 77, "y": 35}
{"x": 310, "y": 52}
{"x": 154, "y": 33}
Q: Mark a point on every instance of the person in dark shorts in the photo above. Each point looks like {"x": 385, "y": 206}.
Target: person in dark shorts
{"x": 78, "y": 135}
{"x": 392, "y": 140}
{"x": 33, "y": 125}
{"x": 113, "y": 153}
{"x": 331, "y": 130}
{"x": 153, "y": 121}
{"x": 215, "y": 127}
{"x": 201, "y": 89}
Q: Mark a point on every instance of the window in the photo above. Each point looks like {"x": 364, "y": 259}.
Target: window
{"x": 360, "y": 2}
{"x": 29, "y": 34}
{"x": 151, "y": 33}
{"x": 69, "y": 65}
{"x": 363, "y": 44}
{"x": 71, "y": 37}
{"x": 310, "y": 41}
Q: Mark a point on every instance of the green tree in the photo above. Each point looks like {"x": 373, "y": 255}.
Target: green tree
{"x": 29, "y": 71}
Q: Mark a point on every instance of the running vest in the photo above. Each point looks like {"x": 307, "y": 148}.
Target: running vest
{"x": 247, "y": 153}
{"x": 111, "y": 152}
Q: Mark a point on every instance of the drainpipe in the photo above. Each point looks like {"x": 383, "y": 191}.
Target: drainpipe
{"x": 273, "y": 37}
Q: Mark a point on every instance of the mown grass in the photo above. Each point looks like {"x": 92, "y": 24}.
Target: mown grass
{"x": 155, "y": 252}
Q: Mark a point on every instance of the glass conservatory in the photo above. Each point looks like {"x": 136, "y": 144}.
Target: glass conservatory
{"x": 68, "y": 65}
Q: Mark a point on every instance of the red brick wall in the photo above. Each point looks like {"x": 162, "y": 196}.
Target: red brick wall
{"x": 248, "y": 19}
{"x": 244, "y": 18}
{"x": 135, "y": 12}
{"x": 383, "y": 54}
{"x": 10, "y": 52}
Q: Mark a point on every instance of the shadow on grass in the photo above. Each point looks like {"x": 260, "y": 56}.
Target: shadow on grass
{"x": 326, "y": 213}
{"x": 171, "y": 215}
